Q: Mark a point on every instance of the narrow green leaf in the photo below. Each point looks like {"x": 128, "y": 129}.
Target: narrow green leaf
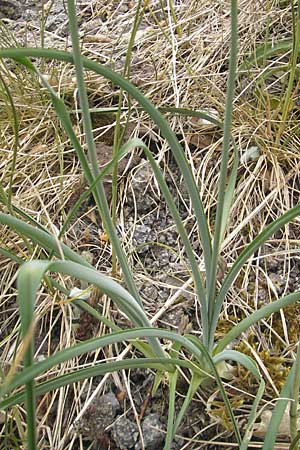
{"x": 229, "y": 194}
{"x": 240, "y": 358}
{"x": 183, "y": 235}
{"x": 94, "y": 344}
{"x": 243, "y": 257}
{"x": 171, "y": 409}
{"x": 255, "y": 317}
{"x": 9, "y": 254}
{"x": 16, "y": 139}
{"x": 295, "y": 397}
{"x": 194, "y": 384}
{"x": 281, "y": 404}
{"x": 97, "y": 188}
{"x": 54, "y": 383}
{"x": 28, "y": 283}
{"x": 159, "y": 376}
{"x": 153, "y": 113}
{"x": 162, "y": 109}
{"x": 252, "y": 416}
{"x": 212, "y": 366}
{"x": 45, "y": 240}
{"x": 266, "y": 51}
{"x": 212, "y": 270}
{"x": 25, "y": 62}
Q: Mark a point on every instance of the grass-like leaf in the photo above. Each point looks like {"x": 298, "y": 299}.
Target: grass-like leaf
{"x": 255, "y": 317}
{"x": 266, "y": 51}
{"x": 240, "y": 358}
{"x": 42, "y": 238}
{"x": 30, "y": 276}
{"x": 243, "y": 257}
{"x": 281, "y": 404}
{"x": 173, "y": 376}
{"x": 219, "y": 228}
{"x": 153, "y": 113}
{"x": 83, "y": 374}
{"x": 252, "y": 416}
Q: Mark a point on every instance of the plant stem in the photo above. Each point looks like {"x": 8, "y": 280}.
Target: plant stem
{"x": 118, "y": 136}
{"x": 295, "y": 397}
{"x": 16, "y": 141}
{"x": 293, "y": 67}
{"x": 108, "y": 225}
{"x": 211, "y": 276}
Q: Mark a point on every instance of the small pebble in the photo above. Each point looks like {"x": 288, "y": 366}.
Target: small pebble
{"x": 99, "y": 415}
{"x": 153, "y": 437}
{"x": 124, "y": 433}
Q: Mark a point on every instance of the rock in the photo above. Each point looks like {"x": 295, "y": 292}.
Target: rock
{"x": 124, "y": 433}
{"x": 10, "y": 9}
{"x": 142, "y": 235}
{"x": 149, "y": 291}
{"x": 261, "y": 428}
{"x": 142, "y": 177}
{"x": 153, "y": 437}
{"x": 99, "y": 415}
{"x": 177, "y": 443}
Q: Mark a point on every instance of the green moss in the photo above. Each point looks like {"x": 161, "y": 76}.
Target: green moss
{"x": 292, "y": 318}
{"x": 218, "y": 411}
{"x": 273, "y": 363}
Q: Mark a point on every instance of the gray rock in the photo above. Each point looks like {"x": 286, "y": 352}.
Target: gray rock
{"x": 124, "y": 433}
{"x": 142, "y": 177}
{"x": 149, "y": 291}
{"x": 177, "y": 443}
{"x": 142, "y": 235}
{"x": 153, "y": 437}
{"x": 10, "y": 9}
{"x": 99, "y": 415}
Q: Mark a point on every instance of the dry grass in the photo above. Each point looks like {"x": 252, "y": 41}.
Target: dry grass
{"x": 186, "y": 68}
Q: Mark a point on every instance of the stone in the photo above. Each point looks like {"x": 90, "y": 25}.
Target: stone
{"x": 124, "y": 433}
{"x": 152, "y": 434}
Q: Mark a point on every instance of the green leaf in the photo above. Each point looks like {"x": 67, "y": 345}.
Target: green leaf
{"x": 240, "y": 358}
{"x": 153, "y": 113}
{"x": 250, "y": 365}
{"x": 211, "y": 273}
{"x": 210, "y": 366}
{"x": 183, "y": 234}
{"x": 28, "y": 282}
{"x": 229, "y": 195}
{"x": 252, "y": 416}
{"x": 266, "y": 51}
{"x": 83, "y": 374}
{"x": 45, "y": 240}
{"x": 194, "y": 384}
{"x": 171, "y": 409}
{"x": 281, "y": 404}
{"x": 255, "y": 317}
{"x": 159, "y": 376}
{"x": 243, "y": 257}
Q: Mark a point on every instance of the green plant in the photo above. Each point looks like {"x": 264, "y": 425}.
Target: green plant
{"x": 207, "y": 354}
{"x": 281, "y": 104}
